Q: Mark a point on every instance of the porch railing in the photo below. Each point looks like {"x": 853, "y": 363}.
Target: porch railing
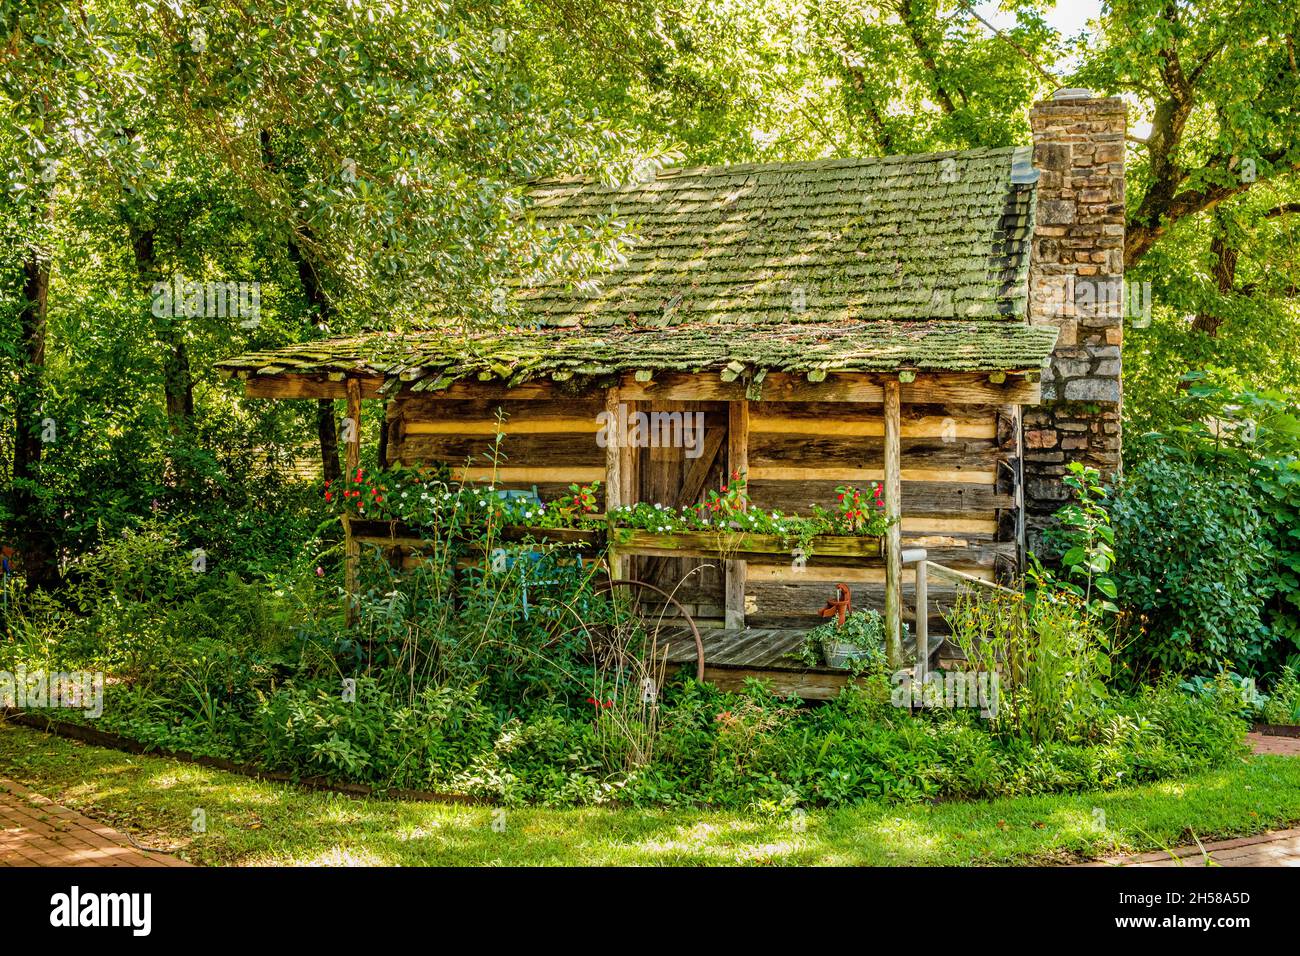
{"x": 917, "y": 557}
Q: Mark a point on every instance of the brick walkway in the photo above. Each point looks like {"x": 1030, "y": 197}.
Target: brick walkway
{"x": 36, "y": 831}
{"x": 1268, "y": 744}
{"x": 1279, "y": 848}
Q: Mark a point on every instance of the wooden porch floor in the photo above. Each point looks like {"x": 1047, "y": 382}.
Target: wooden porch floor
{"x": 731, "y": 656}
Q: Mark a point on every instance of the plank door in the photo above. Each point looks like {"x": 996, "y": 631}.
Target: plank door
{"x": 669, "y": 475}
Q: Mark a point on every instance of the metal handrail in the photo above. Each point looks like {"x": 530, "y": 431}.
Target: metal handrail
{"x": 925, "y": 567}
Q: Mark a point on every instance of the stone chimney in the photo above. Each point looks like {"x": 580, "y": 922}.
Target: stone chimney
{"x": 1076, "y": 282}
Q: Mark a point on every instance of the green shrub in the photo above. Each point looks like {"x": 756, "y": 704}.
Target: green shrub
{"x": 1195, "y": 567}
{"x": 380, "y": 737}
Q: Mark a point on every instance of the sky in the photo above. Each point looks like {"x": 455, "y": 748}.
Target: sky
{"x": 1068, "y": 16}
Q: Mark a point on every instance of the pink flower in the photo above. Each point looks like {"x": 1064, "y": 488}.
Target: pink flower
{"x": 320, "y": 572}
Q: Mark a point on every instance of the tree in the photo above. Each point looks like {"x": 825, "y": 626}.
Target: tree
{"x": 1221, "y": 84}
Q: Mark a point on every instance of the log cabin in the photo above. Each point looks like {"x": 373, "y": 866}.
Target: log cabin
{"x": 911, "y": 320}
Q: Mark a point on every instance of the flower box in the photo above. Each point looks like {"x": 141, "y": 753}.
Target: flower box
{"x": 739, "y": 545}
{"x": 699, "y": 544}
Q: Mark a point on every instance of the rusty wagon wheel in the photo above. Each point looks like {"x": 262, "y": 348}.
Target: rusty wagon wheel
{"x": 636, "y": 587}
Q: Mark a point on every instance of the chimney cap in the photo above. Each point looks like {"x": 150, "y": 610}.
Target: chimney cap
{"x": 1073, "y": 93}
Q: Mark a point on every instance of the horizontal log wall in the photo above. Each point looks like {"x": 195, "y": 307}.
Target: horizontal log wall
{"x": 954, "y": 496}
{"x": 960, "y": 483}
{"x": 549, "y": 444}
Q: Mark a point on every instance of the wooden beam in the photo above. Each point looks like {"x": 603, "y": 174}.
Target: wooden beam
{"x": 354, "y": 415}
{"x": 539, "y": 426}
{"x": 307, "y": 386}
{"x": 614, "y": 457}
{"x": 630, "y": 466}
{"x": 953, "y": 388}
{"x": 763, "y": 420}
{"x": 536, "y": 476}
{"x": 962, "y": 577}
{"x": 893, "y": 537}
{"x": 784, "y": 574}
{"x": 956, "y": 388}
{"x": 922, "y": 625}
{"x": 737, "y": 463}
{"x": 352, "y": 549}
{"x": 970, "y": 476}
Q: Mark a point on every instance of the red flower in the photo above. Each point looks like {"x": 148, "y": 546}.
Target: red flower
{"x": 329, "y": 496}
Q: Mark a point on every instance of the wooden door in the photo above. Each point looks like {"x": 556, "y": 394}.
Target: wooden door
{"x": 677, "y": 475}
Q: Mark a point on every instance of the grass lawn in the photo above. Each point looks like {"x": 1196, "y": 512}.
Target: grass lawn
{"x": 250, "y": 822}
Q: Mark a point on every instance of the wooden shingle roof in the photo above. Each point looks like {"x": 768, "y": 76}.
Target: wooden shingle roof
{"x": 938, "y": 236}
{"x": 854, "y": 265}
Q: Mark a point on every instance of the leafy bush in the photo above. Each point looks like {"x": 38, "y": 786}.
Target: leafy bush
{"x": 1210, "y": 554}
{"x": 863, "y": 632}
{"x": 1232, "y": 687}
{"x": 509, "y": 679}
{"x": 379, "y": 737}
{"x": 1195, "y": 566}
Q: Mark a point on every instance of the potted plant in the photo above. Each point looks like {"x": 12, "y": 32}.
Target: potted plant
{"x": 854, "y": 645}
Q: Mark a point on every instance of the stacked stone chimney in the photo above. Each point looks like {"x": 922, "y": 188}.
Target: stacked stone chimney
{"x": 1076, "y": 278}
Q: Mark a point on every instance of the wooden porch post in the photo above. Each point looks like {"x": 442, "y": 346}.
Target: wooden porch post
{"x": 893, "y": 537}
{"x": 352, "y": 550}
{"x": 614, "y": 442}
{"x": 737, "y": 461}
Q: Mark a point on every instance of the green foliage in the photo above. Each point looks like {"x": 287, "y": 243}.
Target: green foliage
{"x": 1234, "y": 689}
{"x": 1194, "y": 566}
{"x": 1209, "y": 558}
{"x": 1082, "y": 535}
{"x": 467, "y": 693}
{"x": 1283, "y": 703}
{"x": 1052, "y": 656}
{"x": 862, "y": 640}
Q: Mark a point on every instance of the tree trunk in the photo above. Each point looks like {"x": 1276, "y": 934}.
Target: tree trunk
{"x": 35, "y": 537}
{"x": 327, "y": 430}
{"x": 326, "y": 426}
{"x": 1225, "y": 279}
{"x": 178, "y": 384}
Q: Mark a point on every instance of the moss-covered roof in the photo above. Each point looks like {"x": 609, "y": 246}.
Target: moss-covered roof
{"x": 936, "y": 236}
{"x": 433, "y": 360}
{"x": 835, "y": 265}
